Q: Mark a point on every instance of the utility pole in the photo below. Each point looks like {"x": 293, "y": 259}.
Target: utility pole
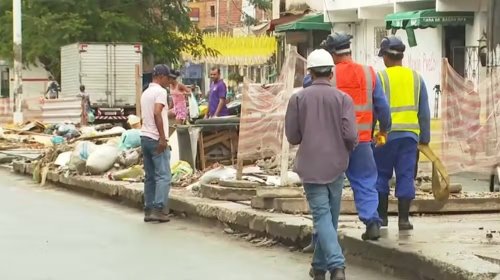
{"x": 18, "y": 60}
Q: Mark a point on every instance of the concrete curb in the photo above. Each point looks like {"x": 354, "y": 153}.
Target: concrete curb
{"x": 289, "y": 229}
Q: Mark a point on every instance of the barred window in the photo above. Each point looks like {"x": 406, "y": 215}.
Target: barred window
{"x": 379, "y": 33}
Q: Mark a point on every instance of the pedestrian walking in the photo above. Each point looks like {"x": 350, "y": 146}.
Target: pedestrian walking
{"x": 178, "y": 92}
{"x": 361, "y": 83}
{"x": 407, "y": 96}
{"x": 53, "y": 89}
{"x": 87, "y": 115}
{"x": 321, "y": 120}
{"x": 217, "y": 95}
{"x": 154, "y": 144}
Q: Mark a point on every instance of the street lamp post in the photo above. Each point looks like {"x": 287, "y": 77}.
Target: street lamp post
{"x": 18, "y": 60}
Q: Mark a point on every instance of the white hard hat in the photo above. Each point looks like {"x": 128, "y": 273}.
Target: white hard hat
{"x": 319, "y": 58}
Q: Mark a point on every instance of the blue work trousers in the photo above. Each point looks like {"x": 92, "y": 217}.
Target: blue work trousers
{"x": 157, "y": 174}
{"x": 397, "y": 155}
{"x": 324, "y": 202}
{"x": 362, "y": 175}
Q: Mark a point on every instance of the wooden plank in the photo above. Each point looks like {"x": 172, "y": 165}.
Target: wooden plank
{"x": 202, "y": 151}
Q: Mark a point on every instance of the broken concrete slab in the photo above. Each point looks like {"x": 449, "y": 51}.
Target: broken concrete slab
{"x": 225, "y": 193}
{"x": 262, "y": 202}
{"x": 291, "y": 205}
{"x": 238, "y": 184}
{"x": 273, "y": 192}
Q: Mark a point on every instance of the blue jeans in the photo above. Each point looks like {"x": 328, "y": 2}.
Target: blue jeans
{"x": 324, "y": 202}
{"x": 158, "y": 175}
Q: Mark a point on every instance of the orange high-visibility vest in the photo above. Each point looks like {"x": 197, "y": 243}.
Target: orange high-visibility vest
{"x": 358, "y": 81}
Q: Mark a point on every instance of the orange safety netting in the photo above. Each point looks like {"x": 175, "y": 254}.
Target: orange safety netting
{"x": 470, "y": 134}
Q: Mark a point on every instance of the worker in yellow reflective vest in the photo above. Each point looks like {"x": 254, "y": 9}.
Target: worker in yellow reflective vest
{"x": 407, "y": 96}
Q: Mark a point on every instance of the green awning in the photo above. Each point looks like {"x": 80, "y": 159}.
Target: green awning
{"x": 427, "y": 18}
{"x": 306, "y": 23}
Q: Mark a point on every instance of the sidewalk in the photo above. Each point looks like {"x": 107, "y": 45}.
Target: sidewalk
{"x": 441, "y": 247}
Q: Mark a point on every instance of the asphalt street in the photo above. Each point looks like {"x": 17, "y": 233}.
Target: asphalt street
{"x": 49, "y": 233}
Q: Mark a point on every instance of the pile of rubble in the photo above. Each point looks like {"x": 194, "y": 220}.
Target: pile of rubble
{"x": 101, "y": 150}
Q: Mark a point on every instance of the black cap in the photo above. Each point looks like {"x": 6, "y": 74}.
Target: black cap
{"x": 391, "y": 44}
{"x": 161, "y": 70}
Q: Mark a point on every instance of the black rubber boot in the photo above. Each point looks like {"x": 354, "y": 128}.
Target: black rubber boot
{"x": 317, "y": 274}
{"x": 372, "y": 232}
{"x": 383, "y": 204}
{"x": 337, "y": 274}
{"x": 404, "y": 214}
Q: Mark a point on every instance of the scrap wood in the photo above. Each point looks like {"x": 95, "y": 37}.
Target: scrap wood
{"x": 94, "y": 137}
{"x": 20, "y": 132}
{"x": 33, "y": 125}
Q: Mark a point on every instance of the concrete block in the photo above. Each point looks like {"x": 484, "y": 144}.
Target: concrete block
{"x": 183, "y": 204}
{"x": 258, "y": 224}
{"x": 225, "y": 193}
{"x": 291, "y": 205}
{"x": 131, "y": 193}
{"x": 262, "y": 202}
{"x": 273, "y": 192}
{"x": 288, "y": 228}
{"x": 238, "y": 184}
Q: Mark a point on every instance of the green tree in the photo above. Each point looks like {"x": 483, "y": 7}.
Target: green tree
{"x": 162, "y": 26}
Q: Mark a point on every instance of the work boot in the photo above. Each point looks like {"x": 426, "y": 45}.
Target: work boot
{"x": 372, "y": 232}
{"x": 404, "y": 214}
{"x": 158, "y": 216}
{"x": 317, "y": 274}
{"x": 147, "y": 215}
{"x": 337, "y": 274}
{"x": 383, "y": 204}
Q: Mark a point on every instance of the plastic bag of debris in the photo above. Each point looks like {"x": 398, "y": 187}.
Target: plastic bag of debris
{"x": 102, "y": 159}
{"x": 217, "y": 174}
{"x": 80, "y": 155}
{"x": 180, "y": 170}
{"x": 134, "y": 173}
{"x": 130, "y": 139}
{"x": 129, "y": 157}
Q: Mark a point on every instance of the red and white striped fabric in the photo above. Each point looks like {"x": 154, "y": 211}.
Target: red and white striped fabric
{"x": 471, "y": 121}
{"x": 263, "y": 112}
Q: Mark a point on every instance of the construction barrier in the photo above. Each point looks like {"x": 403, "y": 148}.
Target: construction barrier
{"x": 470, "y": 121}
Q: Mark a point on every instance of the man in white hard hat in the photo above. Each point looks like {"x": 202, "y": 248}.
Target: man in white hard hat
{"x": 321, "y": 119}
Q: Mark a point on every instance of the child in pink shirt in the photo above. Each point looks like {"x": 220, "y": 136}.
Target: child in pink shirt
{"x": 178, "y": 91}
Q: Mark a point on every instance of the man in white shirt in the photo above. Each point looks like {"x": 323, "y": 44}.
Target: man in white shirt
{"x": 154, "y": 143}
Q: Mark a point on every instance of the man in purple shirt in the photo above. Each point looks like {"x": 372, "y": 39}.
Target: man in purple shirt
{"x": 217, "y": 95}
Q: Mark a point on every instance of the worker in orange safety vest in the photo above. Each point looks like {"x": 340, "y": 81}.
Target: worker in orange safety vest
{"x": 365, "y": 88}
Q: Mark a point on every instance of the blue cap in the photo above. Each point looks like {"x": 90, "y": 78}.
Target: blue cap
{"x": 391, "y": 44}
{"x": 307, "y": 81}
{"x": 161, "y": 70}
{"x": 337, "y": 43}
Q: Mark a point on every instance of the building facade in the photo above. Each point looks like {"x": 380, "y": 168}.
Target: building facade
{"x": 224, "y": 16}
{"x": 459, "y": 42}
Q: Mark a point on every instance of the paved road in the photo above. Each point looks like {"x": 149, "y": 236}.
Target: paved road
{"x": 50, "y": 234}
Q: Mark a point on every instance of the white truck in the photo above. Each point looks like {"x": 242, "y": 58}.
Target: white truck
{"x": 110, "y": 72}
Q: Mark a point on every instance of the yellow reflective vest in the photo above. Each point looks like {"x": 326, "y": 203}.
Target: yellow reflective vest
{"x": 402, "y": 89}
